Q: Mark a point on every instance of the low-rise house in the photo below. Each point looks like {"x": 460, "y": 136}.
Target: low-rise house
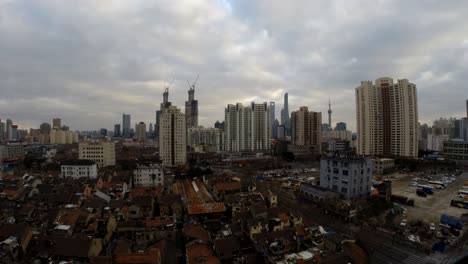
{"x": 21, "y": 232}
{"x": 148, "y": 175}
{"x": 200, "y": 253}
{"x": 227, "y": 248}
{"x": 220, "y": 189}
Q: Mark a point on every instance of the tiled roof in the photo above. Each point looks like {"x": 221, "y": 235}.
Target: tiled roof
{"x": 197, "y": 252}
{"x": 196, "y": 231}
{"x": 227, "y": 186}
{"x": 152, "y": 256}
{"x": 206, "y": 208}
{"x": 158, "y": 221}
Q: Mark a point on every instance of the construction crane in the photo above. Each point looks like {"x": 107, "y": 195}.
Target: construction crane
{"x": 192, "y": 86}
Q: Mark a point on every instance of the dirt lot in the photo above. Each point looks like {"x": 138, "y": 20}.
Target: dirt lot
{"x": 431, "y": 207}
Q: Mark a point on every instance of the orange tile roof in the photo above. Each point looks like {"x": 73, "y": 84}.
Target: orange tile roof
{"x": 206, "y": 208}
{"x": 158, "y": 221}
{"x": 197, "y": 251}
{"x": 152, "y": 256}
{"x": 227, "y": 186}
{"x": 68, "y": 218}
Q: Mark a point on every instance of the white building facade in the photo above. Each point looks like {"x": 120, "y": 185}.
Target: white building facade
{"x": 205, "y": 139}
{"x": 350, "y": 176}
{"x": 148, "y": 175}
{"x": 247, "y": 128}
{"x": 79, "y": 169}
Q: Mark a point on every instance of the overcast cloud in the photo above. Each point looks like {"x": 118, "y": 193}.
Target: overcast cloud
{"x": 90, "y": 61}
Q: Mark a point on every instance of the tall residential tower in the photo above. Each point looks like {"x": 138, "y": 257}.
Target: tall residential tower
{"x": 387, "y": 118}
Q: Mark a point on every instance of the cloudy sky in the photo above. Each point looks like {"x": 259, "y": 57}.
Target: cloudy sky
{"x": 89, "y": 61}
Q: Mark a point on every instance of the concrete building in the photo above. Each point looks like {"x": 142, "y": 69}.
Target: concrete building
{"x": 306, "y": 131}
{"x": 333, "y": 145}
{"x": 219, "y": 125}
{"x": 350, "y": 176}
{"x": 148, "y": 175}
{"x": 201, "y": 139}
{"x": 456, "y": 150}
{"x": 436, "y": 142}
{"x": 274, "y": 129}
{"x": 63, "y": 137}
{"x": 337, "y": 134}
{"x": 424, "y": 131}
{"x": 340, "y": 126}
{"x": 126, "y": 132}
{"x": 14, "y": 132}
{"x": 387, "y": 118}
{"x": 57, "y": 123}
{"x": 11, "y": 152}
{"x": 172, "y": 137}
{"x": 117, "y": 130}
{"x": 102, "y": 153}
{"x": 140, "y": 131}
{"x": 444, "y": 126}
{"x": 285, "y": 118}
{"x": 191, "y": 108}
{"x": 272, "y": 119}
{"x": 2, "y": 130}
{"x": 44, "y": 137}
{"x": 247, "y": 128}
{"x": 79, "y": 169}
{"x": 164, "y": 105}
{"x": 383, "y": 165}
{"x": 9, "y": 133}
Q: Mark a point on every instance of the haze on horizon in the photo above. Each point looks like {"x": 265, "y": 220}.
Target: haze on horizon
{"x": 88, "y": 62}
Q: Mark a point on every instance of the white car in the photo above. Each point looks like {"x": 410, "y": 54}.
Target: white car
{"x": 403, "y": 223}
{"x": 432, "y": 227}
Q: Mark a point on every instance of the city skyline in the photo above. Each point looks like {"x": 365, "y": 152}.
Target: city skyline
{"x": 253, "y": 52}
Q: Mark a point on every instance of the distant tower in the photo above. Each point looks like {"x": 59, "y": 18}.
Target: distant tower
{"x": 329, "y": 115}
{"x": 285, "y": 118}
{"x": 164, "y": 105}
{"x": 191, "y": 107}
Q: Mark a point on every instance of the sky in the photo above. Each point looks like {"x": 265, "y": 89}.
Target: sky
{"x": 89, "y": 61}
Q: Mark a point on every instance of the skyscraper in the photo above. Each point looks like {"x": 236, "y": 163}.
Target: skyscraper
{"x": 57, "y": 123}
{"x": 44, "y": 137}
{"x": 272, "y": 118}
{"x": 140, "y": 130}
{"x": 247, "y": 128}
{"x": 330, "y": 126}
{"x": 151, "y": 130}
{"x": 126, "y": 132}
{"x": 285, "y": 119}
{"x": 117, "y": 130}
{"x": 9, "y": 133}
{"x": 340, "y": 126}
{"x": 467, "y": 108}
{"x": 172, "y": 138}
{"x": 387, "y": 118}
{"x": 2, "y": 130}
{"x": 164, "y": 105}
{"x": 191, "y": 108}
{"x": 306, "y": 130}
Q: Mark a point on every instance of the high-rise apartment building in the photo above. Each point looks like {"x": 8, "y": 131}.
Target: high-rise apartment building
{"x": 201, "y": 139}
{"x": 103, "y": 153}
{"x": 172, "y": 137}
{"x": 306, "y": 131}
{"x": 57, "y": 123}
{"x": 164, "y": 105}
{"x": 191, "y": 109}
{"x": 340, "y": 126}
{"x": 285, "y": 118}
{"x": 140, "y": 131}
{"x": 44, "y": 137}
{"x": 63, "y": 137}
{"x": 117, "y": 130}
{"x": 247, "y": 128}
{"x": 2, "y": 130}
{"x": 272, "y": 116}
{"x": 387, "y": 118}
{"x": 126, "y": 132}
{"x": 9, "y": 133}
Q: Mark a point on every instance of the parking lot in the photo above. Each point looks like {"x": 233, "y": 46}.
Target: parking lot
{"x": 431, "y": 207}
